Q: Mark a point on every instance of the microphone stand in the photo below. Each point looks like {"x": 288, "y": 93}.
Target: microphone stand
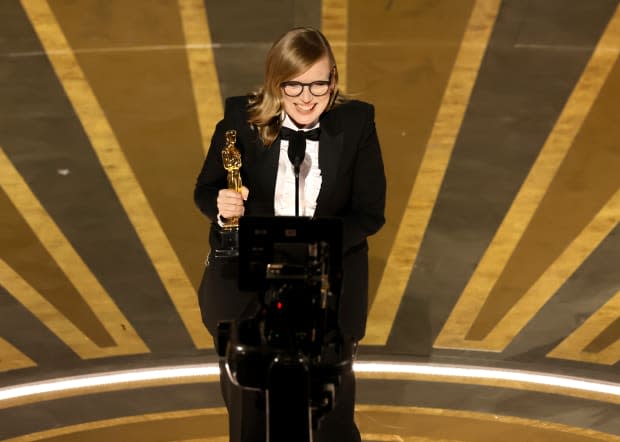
{"x": 296, "y": 170}
{"x": 296, "y": 153}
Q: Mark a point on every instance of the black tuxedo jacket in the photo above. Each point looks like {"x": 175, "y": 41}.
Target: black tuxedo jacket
{"x": 353, "y": 188}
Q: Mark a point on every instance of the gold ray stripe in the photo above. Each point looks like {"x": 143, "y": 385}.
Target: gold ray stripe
{"x": 335, "y": 27}
{"x": 527, "y": 201}
{"x": 201, "y": 61}
{"x": 117, "y": 169}
{"x": 555, "y": 276}
{"x": 61, "y": 326}
{"x": 78, "y": 273}
{"x": 10, "y": 357}
{"x": 432, "y": 169}
{"x": 573, "y": 346}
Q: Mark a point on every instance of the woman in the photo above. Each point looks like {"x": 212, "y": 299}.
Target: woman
{"x": 341, "y": 175}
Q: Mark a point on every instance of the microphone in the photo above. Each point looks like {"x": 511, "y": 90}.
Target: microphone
{"x": 297, "y": 150}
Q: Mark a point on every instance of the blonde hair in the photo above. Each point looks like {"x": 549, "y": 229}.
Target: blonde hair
{"x": 291, "y": 55}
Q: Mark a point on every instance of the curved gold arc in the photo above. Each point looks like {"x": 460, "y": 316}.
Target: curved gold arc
{"x": 118, "y": 427}
{"x": 438, "y": 424}
{"x": 376, "y": 422}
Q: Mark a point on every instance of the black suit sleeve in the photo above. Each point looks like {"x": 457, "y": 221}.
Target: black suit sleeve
{"x": 366, "y": 213}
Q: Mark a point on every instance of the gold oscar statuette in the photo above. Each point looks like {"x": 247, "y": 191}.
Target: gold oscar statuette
{"x": 231, "y": 159}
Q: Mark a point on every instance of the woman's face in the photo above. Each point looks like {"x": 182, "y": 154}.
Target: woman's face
{"x": 306, "y": 108}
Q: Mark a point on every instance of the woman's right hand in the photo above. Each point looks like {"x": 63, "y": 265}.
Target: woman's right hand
{"x": 230, "y": 202}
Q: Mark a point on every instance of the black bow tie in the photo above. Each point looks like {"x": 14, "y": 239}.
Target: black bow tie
{"x": 289, "y": 134}
{"x": 297, "y": 143}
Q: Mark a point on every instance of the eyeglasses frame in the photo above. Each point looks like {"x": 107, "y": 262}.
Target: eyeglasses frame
{"x": 309, "y": 85}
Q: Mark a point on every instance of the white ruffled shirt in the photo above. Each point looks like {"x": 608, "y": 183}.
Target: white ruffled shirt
{"x": 310, "y": 178}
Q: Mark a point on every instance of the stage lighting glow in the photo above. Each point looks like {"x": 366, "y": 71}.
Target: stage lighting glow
{"x": 111, "y": 378}
{"x": 483, "y": 373}
{"x": 183, "y": 373}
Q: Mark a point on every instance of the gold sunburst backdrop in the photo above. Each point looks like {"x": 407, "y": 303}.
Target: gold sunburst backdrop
{"x": 500, "y": 144}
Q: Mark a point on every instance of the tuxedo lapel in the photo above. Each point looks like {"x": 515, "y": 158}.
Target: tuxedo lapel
{"x": 330, "y": 150}
{"x": 261, "y": 168}
{"x": 268, "y": 167}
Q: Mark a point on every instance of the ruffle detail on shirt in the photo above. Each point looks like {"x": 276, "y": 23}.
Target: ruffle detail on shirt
{"x": 284, "y": 201}
{"x": 310, "y": 181}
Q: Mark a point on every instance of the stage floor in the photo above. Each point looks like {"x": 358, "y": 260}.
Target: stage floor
{"x": 494, "y": 306}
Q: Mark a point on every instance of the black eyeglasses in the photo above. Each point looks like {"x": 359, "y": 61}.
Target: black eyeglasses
{"x": 296, "y": 88}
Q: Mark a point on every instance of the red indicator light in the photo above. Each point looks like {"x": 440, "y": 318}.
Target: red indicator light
{"x": 279, "y": 305}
